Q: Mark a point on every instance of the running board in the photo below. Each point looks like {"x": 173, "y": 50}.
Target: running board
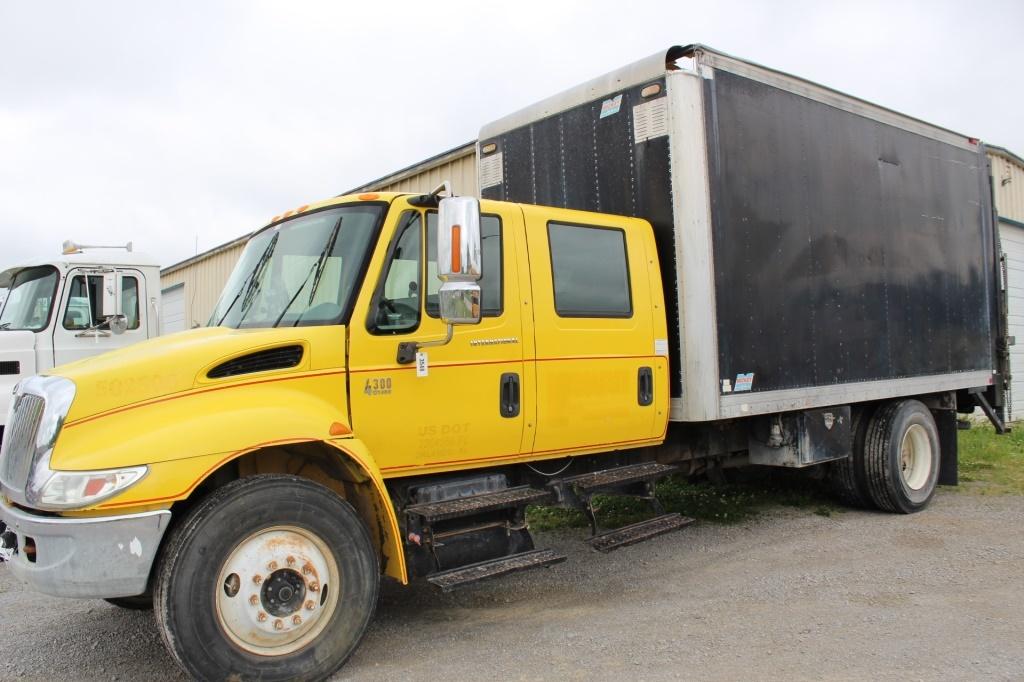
{"x": 477, "y": 504}
{"x": 638, "y": 532}
{"x": 617, "y": 476}
{"x": 466, "y": 575}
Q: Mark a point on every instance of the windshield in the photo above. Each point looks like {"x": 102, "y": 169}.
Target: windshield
{"x": 301, "y": 272}
{"x": 30, "y": 299}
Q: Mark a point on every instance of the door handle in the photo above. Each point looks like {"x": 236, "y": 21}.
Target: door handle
{"x": 509, "y": 395}
{"x": 645, "y": 386}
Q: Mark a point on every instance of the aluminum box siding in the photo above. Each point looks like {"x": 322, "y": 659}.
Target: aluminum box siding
{"x": 846, "y": 250}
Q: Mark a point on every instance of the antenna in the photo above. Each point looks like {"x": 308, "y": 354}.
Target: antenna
{"x": 69, "y": 247}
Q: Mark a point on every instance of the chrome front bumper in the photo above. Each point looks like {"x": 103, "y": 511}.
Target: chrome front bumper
{"x": 108, "y": 556}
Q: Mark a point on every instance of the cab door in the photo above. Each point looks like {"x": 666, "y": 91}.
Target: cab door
{"x": 78, "y": 331}
{"x": 464, "y": 403}
{"x": 602, "y": 371}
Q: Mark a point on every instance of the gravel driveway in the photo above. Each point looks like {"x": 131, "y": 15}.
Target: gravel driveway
{"x": 937, "y": 595}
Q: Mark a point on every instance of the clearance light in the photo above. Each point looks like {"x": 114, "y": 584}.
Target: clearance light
{"x": 488, "y": 148}
{"x": 651, "y": 90}
{"x": 368, "y": 197}
{"x": 456, "y": 248}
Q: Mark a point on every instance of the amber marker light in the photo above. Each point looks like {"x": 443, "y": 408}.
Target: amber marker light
{"x": 339, "y": 429}
{"x": 456, "y": 248}
{"x": 368, "y": 197}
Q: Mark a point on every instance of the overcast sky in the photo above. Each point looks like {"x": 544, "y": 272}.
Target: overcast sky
{"x": 185, "y": 123}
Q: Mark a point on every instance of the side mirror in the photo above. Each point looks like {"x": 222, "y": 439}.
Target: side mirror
{"x": 109, "y": 296}
{"x": 459, "y": 260}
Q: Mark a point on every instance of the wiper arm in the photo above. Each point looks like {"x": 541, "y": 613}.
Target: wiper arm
{"x": 248, "y": 284}
{"x": 318, "y": 269}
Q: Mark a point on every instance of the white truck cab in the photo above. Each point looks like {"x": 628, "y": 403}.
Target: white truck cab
{"x": 84, "y": 303}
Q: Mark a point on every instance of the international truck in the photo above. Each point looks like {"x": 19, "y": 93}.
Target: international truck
{"x": 90, "y": 300}
{"x": 689, "y": 264}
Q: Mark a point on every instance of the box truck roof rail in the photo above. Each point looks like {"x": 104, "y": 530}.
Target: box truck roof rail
{"x": 704, "y": 59}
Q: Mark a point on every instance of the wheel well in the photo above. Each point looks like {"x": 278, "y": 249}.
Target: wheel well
{"x": 314, "y": 460}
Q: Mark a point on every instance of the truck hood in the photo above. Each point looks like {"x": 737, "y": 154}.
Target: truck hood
{"x": 174, "y": 364}
{"x": 17, "y": 360}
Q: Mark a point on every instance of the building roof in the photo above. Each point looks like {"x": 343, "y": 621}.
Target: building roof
{"x": 1006, "y": 154}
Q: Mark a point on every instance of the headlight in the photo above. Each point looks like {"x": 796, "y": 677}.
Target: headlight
{"x": 71, "y": 489}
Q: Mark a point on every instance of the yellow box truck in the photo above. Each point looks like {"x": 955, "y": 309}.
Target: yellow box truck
{"x": 691, "y": 263}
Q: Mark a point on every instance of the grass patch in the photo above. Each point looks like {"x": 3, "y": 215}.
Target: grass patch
{"x": 728, "y": 503}
{"x": 991, "y": 464}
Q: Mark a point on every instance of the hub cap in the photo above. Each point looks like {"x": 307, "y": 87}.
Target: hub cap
{"x": 916, "y": 457}
{"x": 277, "y": 590}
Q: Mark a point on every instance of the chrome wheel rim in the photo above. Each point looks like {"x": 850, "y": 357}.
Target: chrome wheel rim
{"x": 276, "y": 591}
{"x": 916, "y": 457}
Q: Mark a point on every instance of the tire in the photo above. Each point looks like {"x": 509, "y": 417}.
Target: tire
{"x": 143, "y": 602}
{"x": 901, "y": 457}
{"x": 271, "y": 577}
{"x": 846, "y": 478}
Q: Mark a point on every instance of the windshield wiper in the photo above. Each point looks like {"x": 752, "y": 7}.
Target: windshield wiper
{"x": 5, "y": 325}
{"x": 317, "y": 268}
{"x": 252, "y": 278}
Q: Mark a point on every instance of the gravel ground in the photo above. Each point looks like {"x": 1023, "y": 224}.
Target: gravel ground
{"x": 791, "y": 595}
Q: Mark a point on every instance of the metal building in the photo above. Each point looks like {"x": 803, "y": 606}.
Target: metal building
{"x": 1008, "y": 188}
{"x": 190, "y": 288}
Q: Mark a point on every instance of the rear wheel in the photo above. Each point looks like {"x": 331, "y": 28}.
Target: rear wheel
{"x": 901, "y": 457}
{"x": 846, "y": 477}
{"x": 271, "y": 578}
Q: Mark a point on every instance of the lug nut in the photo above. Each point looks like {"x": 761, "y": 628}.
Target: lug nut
{"x": 257, "y": 578}
{"x": 254, "y": 600}
{"x": 310, "y": 605}
{"x": 306, "y": 570}
{"x": 262, "y": 617}
{"x": 296, "y": 620}
{"x": 278, "y": 624}
{"x": 314, "y": 586}
{"x": 272, "y": 566}
{"x": 291, "y": 561}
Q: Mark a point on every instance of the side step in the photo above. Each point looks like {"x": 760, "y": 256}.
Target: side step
{"x": 465, "y": 575}
{"x": 478, "y": 504}
{"x": 638, "y": 532}
{"x": 618, "y": 476}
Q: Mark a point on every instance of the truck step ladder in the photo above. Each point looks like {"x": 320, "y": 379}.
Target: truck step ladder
{"x": 466, "y": 575}
{"x": 519, "y": 496}
{"x": 633, "y": 480}
{"x": 617, "y": 476}
{"x": 638, "y": 532}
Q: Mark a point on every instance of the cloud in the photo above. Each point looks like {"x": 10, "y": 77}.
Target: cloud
{"x": 166, "y": 123}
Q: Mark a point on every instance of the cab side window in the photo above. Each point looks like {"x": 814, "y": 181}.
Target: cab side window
{"x": 85, "y": 296}
{"x": 397, "y": 302}
{"x": 491, "y": 281}
{"x": 590, "y": 271}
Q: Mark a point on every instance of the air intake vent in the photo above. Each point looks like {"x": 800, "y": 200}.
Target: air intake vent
{"x": 10, "y": 367}
{"x": 261, "y": 361}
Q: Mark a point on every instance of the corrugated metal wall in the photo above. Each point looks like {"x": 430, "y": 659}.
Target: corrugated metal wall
{"x": 205, "y": 275}
{"x": 1008, "y": 180}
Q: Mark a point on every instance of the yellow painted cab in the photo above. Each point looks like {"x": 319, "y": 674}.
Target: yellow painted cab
{"x": 386, "y": 383}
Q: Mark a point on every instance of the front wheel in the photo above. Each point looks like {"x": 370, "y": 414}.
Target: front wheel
{"x": 270, "y": 577}
{"x": 901, "y": 457}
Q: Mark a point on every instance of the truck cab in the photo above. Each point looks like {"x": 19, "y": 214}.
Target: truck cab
{"x": 60, "y": 310}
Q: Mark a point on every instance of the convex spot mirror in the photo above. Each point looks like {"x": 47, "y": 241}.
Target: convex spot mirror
{"x": 459, "y": 260}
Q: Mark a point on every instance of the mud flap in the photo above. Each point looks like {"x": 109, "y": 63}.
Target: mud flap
{"x": 945, "y": 422}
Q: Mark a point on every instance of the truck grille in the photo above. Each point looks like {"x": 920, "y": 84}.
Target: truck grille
{"x": 20, "y": 441}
